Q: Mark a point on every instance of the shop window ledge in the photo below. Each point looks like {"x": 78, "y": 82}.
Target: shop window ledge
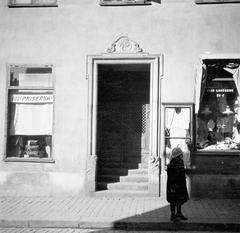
{"x": 216, "y": 153}
{"x": 32, "y": 160}
{"x": 32, "y": 3}
{"x": 124, "y": 2}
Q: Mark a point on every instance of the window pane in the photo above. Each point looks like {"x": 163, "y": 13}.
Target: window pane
{"x": 177, "y": 132}
{"x": 31, "y": 76}
{"x": 30, "y": 116}
{"x": 178, "y": 121}
{"x": 217, "y": 123}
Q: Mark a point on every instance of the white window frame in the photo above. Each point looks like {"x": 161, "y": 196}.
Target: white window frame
{"x": 188, "y": 105}
{"x": 124, "y": 2}
{"x": 32, "y": 3}
{"x": 198, "y": 78}
{"x": 10, "y": 88}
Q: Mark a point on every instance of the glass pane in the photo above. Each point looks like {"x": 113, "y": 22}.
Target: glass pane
{"x": 29, "y": 146}
{"x": 218, "y": 119}
{"x": 177, "y": 122}
{"x": 30, "y": 116}
{"x": 177, "y": 132}
{"x": 31, "y": 76}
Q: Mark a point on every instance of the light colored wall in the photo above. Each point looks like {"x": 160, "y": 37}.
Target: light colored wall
{"x": 180, "y": 30}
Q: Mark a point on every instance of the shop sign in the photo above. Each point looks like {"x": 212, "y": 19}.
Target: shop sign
{"x": 220, "y": 90}
{"x": 16, "y": 98}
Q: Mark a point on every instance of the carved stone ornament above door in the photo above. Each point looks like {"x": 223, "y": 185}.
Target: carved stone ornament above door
{"x": 124, "y": 45}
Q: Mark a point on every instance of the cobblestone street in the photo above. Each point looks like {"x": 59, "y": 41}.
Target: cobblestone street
{"x": 115, "y": 214}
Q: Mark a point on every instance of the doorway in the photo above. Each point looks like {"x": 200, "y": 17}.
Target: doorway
{"x": 124, "y": 109}
{"x": 123, "y": 126}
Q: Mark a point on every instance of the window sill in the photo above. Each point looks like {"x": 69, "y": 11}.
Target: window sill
{"x": 33, "y": 6}
{"x": 31, "y": 160}
{"x": 118, "y": 3}
{"x": 216, "y": 153}
{"x": 215, "y": 1}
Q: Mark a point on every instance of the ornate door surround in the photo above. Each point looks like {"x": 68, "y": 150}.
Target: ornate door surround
{"x": 125, "y": 51}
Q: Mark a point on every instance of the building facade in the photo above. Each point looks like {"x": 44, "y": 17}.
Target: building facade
{"x": 95, "y": 94}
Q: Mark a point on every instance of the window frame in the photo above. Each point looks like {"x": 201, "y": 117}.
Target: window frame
{"x": 10, "y": 88}
{"x": 189, "y": 105}
{"x": 14, "y": 4}
{"x": 203, "y": 58}
{"x": 124, "y": 2}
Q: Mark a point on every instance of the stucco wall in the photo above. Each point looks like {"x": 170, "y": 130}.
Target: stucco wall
{"x": 63, "y": 36}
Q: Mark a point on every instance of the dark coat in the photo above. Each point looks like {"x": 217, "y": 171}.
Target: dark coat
{"x": 176, "y": 182}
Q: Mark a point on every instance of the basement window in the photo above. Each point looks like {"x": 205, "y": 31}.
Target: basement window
{"x": 218, "y": 111}
{"x": 124, "y": 2}
{"x": 32, "y": 3}
{"x": 30, "y": 112}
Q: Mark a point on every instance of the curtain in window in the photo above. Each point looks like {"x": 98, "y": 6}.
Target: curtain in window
{"x": 200, "y": 84}
{"x": 31, "y": 119}
{"x": 236, "y": 76}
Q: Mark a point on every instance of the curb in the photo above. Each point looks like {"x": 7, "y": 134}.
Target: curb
{"x": 121, "y": 225}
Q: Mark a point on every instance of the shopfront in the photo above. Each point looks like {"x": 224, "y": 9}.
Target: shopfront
{"x": 208, "y": 129}
{"x": 95, "y": 97}
{"x": 215, "y": 160}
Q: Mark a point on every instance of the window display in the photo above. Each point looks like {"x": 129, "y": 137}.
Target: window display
{"x": 217, "y": 120}
{"x": 30, "y": 112}
{"x": 178, "y": 131}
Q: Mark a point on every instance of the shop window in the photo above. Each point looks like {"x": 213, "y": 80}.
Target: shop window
{"x": 124, "y": 2}
{"x": 32, "y": 3}
{"x": 30, "y": 112}
{"x": 178, "y": 130}
{"x": 218, "y": 115}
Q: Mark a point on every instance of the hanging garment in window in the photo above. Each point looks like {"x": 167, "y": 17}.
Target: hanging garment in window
{"x": 31, "y": 119}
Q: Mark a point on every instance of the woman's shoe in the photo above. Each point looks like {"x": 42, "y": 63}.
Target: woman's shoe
{"x": 181, "y": 216}
{"x": 174, "y": 218}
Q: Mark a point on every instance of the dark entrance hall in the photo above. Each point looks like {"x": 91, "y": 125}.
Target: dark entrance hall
{"x": 123, "y": 127}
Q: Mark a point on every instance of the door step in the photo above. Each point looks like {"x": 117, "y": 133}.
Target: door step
{"x": 122, "y": 171}
{"x": 114, "y": 178}
{"x": 116, "y": 164}
{"x": 130, "y": 186}
{"x": 121, "y": 193}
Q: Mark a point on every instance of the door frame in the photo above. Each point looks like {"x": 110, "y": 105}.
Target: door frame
{"x": 156, "y": 73}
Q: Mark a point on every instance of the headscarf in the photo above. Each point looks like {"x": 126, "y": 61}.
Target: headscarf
{"x": 176, "y": 152}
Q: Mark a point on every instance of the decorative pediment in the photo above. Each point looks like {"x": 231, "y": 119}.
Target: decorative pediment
{"x": 124, "y": 45}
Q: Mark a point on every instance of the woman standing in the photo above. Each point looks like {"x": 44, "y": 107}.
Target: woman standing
{"x": 176, "y": 184}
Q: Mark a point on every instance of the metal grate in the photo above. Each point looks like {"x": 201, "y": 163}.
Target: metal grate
{"x": 132, "y": 117}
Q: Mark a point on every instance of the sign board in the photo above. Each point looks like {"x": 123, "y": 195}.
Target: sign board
{"x": 39, "y": 98}
{"x": 212, "y": 90}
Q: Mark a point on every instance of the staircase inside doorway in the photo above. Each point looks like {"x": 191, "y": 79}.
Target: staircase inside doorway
{"x": 123, "y": 129}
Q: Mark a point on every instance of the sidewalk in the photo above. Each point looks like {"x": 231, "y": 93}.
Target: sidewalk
{"x": 118, "y": 213}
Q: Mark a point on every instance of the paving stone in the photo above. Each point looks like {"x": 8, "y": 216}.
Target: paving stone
{"x": 117, "y": 213}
